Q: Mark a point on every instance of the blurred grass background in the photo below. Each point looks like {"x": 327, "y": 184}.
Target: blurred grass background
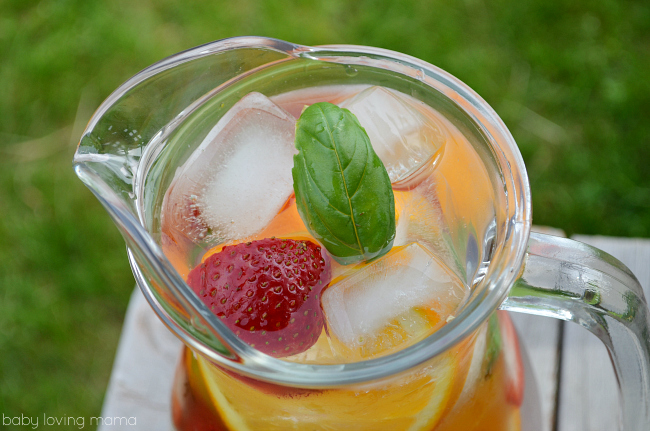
{"x": 570, "y": 80}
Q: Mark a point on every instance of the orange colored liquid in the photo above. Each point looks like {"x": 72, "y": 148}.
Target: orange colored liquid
{"x": 453, "y": 391}
{"x": 403, "y": 403}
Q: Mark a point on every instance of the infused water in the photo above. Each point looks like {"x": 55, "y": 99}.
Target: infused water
{"x": 236, "y": 188}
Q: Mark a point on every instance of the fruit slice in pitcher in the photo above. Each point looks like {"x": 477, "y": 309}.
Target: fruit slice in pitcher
{"x": 415, "y": 402}
{"x": 513, "y": 361}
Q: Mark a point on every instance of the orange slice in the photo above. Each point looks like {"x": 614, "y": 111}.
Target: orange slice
{"x": 413, "y": 401}
{"x": 228, "y": 412}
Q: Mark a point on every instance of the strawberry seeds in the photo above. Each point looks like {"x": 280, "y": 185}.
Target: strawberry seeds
{"x": 267, "y": 292}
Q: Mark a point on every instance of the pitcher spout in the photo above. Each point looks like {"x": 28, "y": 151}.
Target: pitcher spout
{"x": 119, "y": 142}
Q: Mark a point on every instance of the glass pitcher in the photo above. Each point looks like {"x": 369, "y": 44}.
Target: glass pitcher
{"x": 148, "y": 128}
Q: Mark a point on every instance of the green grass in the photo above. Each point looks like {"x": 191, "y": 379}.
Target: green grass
{"x": 568, "y": 78}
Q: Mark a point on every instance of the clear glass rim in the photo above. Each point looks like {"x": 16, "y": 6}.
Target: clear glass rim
{"x": 501, "y": 274}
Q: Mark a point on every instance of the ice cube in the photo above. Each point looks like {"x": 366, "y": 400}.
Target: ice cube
{"x": 390, "y": 303}
{"x": 401, "y": 135}
{"x": 423, "y": 220}
{"x": 238, "y": 178}
{"x": 295, "y": 101}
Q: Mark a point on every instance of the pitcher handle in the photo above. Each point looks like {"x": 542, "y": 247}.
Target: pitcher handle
{"x": 572, "y": 281}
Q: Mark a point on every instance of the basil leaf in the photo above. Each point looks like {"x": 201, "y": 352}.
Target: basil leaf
{"x": 343, "y": 192}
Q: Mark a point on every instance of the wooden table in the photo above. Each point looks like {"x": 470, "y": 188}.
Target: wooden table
{"x": 570, "y": 385}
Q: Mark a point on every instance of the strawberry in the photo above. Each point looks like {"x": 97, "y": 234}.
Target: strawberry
{"x": 514, "y": 364}
{"x": 267, "y": 292}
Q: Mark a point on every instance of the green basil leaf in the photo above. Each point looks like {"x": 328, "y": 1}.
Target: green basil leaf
{"x": 343, "y": 191}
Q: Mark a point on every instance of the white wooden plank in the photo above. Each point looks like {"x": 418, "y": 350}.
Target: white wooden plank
{"x": 540, "y": 344}
{"x": 539, "y": 341}
{"x": 548, "y": 230}
{"x": 633, "y": 252}
{"x": 142, "y": 375}
{"x": 589, "y": 398}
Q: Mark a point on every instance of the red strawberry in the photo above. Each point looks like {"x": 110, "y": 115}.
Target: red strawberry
{"x": 267, "y": 292}
{"x": 514, "y": 364}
